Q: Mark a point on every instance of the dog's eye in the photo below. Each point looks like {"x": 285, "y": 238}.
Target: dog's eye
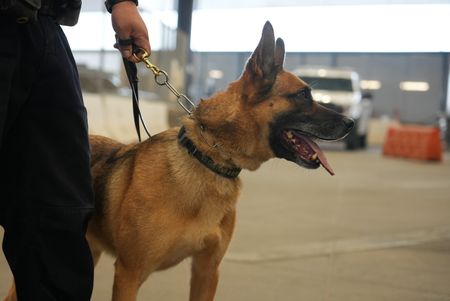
{"x": 303, "y": 94}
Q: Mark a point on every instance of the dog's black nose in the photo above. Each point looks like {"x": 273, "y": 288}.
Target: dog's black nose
{"x": 349, "y": 123}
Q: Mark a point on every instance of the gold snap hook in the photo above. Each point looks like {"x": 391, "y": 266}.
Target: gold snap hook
{"x": 141, "y": 54}
{"x": 162, "y": 79}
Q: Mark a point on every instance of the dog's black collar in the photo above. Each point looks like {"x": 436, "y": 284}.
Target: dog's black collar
{"x": 226, "y": 172}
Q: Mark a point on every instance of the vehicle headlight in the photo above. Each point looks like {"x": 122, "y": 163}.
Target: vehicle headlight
{"x": 323, "y": 98}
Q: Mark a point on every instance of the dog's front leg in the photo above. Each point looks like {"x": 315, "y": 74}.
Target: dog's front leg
{"x": 126, "y": 282}
{"x": 204, "y": 277}
{"x": 205, "y": 264}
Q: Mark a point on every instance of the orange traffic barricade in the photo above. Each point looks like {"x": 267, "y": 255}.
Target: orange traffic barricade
{"x": 413, "y": 142}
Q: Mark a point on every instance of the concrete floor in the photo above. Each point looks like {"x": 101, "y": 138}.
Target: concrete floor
{"x": 378, "y": 230}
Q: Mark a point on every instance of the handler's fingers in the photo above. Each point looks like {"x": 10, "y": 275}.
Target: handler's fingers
{"x": 142, "y": 41}
{"x": 125, "y": 46}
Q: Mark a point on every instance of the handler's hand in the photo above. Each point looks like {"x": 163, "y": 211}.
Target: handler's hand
{"x": 128, "y": 24}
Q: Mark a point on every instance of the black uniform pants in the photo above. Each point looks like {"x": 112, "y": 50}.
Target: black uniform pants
{"x": 46, "y": 196}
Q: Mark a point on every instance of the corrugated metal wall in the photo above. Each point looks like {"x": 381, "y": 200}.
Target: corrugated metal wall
{"x": 388, "y": 68}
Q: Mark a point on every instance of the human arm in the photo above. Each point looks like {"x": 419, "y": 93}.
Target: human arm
{"x": 128, "y": 24}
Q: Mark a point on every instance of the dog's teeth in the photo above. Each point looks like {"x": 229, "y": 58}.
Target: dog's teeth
{"x": 314, "y": 157}
{"x": 290, "y": 135}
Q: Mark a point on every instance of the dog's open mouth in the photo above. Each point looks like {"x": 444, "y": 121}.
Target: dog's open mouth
{"x": 306, "y": 150}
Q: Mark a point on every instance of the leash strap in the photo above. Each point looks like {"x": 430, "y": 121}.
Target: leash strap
{"x": 161, "y": 78}
{"x": 133, "y": 80}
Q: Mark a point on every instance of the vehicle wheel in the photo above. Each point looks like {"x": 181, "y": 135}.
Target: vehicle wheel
{"x": 352, "y": 141}
{"x": 363, "y": 141}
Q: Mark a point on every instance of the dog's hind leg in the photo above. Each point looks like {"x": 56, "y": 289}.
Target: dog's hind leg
{"x": 96, "y": 249}
{"x": 12, "y": 293}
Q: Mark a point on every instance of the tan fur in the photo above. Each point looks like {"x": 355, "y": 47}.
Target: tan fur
{"x": 157, "y": 204}
{"x": 162, "y": 206}
{"x": 11, "y": 293}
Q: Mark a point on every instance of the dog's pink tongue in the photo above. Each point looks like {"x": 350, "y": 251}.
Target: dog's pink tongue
{"x": 323, "y": 160}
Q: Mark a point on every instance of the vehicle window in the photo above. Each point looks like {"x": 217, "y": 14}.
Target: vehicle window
{"x": 325, "y": 83}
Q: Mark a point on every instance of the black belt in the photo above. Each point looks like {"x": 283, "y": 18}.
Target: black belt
{"x": 23, "y": 11}
{"x": 20, "y": 11}
{"x": 48, "y": 8}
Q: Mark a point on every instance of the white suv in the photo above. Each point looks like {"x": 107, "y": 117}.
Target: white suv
{"x": 339, "y": 90}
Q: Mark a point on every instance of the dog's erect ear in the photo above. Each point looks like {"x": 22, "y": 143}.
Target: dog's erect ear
{"x": 279, "y": 54}
{"x": 262, "y": 65}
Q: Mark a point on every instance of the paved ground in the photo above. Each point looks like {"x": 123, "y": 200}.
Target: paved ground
{"x": 378, "y": 230}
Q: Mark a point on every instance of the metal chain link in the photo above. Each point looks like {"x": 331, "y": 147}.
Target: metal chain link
{"x": 162, "y": 79}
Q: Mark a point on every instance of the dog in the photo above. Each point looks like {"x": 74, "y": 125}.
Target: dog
{"x": 174, "y": 195}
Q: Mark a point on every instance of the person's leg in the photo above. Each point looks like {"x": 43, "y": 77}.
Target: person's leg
{"x": 45, "y": 166}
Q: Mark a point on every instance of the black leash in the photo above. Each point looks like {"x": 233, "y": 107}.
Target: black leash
{"x": 131, "y": 71}
{"x": 161, "y": 78}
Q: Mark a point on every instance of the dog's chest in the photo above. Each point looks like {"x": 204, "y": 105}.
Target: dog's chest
{"x": 199, "y": 232}
{"x": 203, "y": 227}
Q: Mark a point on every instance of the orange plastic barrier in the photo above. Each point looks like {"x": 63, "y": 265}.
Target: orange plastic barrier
{"x": 414, "y": 142}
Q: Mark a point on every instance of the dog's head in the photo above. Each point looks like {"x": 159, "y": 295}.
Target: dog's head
{"x": 269, "y": 112}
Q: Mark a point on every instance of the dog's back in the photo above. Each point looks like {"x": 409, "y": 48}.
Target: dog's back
{"x": 102, "y": 148}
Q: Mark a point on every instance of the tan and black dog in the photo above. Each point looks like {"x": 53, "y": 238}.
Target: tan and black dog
{"x": 174, "y": 196}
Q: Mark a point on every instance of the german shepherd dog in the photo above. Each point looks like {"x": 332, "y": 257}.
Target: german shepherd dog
{"x": 174, "y": 196}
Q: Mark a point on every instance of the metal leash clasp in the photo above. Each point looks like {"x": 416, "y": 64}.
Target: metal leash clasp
{"x": 162, "y": 79}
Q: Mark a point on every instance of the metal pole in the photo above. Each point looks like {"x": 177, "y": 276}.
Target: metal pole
{"x": 445, "y": 74}
{"x": 183, "y": 47}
